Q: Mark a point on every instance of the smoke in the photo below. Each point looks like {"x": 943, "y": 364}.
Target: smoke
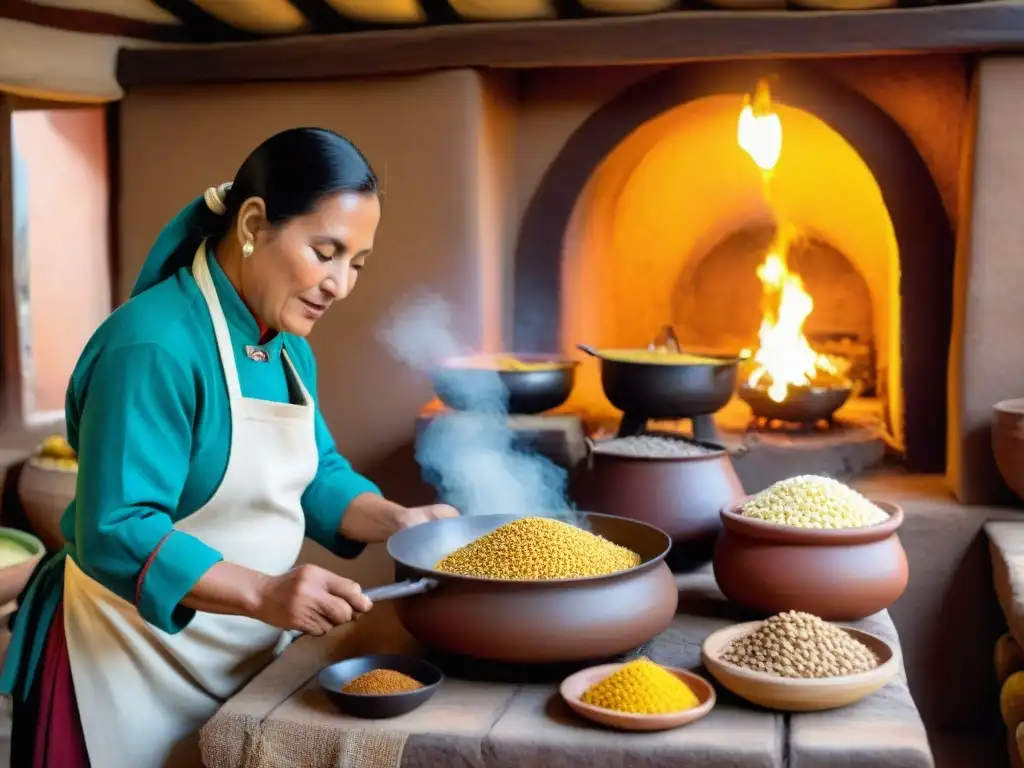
{"x": 471, "y": 457}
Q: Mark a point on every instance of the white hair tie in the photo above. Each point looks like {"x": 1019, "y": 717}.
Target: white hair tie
{"x": 215, "y": 197}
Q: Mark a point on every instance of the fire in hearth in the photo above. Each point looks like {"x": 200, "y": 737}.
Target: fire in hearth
{"x": 784, "y": 358}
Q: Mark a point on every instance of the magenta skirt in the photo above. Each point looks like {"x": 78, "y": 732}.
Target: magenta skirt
{"x": 47, "y": 731}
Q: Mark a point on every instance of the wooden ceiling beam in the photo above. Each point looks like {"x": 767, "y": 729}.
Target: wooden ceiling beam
{"x": 621, "y": 40}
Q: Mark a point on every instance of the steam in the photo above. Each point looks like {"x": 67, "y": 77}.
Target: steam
{"x": 471, "y": 457}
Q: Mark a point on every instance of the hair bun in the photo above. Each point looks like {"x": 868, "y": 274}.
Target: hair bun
{"x": 215, "y": 197}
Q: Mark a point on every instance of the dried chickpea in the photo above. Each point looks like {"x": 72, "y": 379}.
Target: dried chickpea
{"x": 795, "y": 644}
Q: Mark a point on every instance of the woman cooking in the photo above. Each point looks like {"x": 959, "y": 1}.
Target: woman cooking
{"x": 203, "y": 462}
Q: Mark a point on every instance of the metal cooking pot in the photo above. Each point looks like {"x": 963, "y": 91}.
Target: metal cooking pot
{"x": 554, "y": 621}
{"x": 459, "y": 382}
{"x": 648, "y": 390}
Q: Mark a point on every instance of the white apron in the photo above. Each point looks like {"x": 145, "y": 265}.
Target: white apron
{"x": 142, "y": 693}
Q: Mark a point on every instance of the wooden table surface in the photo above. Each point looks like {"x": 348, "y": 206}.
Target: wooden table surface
{"x": 492, "y": 725}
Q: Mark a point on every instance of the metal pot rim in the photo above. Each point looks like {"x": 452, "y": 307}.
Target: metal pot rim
{"x": 812, "y": 390}
{"x": 463, "y": 363}
{"x": 543, "y": 583}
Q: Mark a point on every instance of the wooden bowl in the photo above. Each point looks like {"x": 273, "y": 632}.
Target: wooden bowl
{"x": 841, "y": 574}
{"x": 1008, "y": 443}
{"x": 574, "y": 686}
{"x": 797, "y": 694}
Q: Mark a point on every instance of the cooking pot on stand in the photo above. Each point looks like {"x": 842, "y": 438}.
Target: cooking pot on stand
{"x": 645, "y": 388}
{"x": 534, "y": 622}
{"x": 681, "y": 493}
{"x": 532, "y": 383}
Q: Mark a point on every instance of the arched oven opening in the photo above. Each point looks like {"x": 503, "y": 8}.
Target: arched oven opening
{"x": 654, "y": 215}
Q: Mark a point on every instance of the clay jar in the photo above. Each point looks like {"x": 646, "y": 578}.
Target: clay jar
{"x": 681, "y": 495}
{"x": 838, "y": 574}
{"x": 1008, "y": 443}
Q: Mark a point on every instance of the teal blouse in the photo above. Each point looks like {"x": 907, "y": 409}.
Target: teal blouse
{"x": 148, "y": 413}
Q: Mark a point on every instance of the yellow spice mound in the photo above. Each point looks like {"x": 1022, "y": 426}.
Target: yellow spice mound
{"x": 536, "y": 548}
{"x": 641, "y": 687}
{"x": 382, "y": 682}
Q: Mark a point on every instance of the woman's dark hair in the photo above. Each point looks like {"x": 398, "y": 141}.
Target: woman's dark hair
{"x": 292, "y": 172}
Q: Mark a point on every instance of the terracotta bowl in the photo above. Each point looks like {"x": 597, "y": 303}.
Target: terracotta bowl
{"x": 14, "y": 577}
{"x": 574, "y": 686}
{"x": 797, "y": 695}
{"x": 839, "y": 575}
{"x": 45, "y": 493}
{"x": 1008, "y": 442}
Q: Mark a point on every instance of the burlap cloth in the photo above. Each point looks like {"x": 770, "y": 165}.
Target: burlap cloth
{"x": 281, "y": 719}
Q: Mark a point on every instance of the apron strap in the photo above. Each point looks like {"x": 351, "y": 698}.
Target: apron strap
{"x": 307, "y": 399}
{"x": 201, "y": 271}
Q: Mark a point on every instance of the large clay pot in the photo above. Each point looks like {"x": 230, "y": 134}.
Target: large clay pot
{"x": 1008, "y": 443}
{"x": 839, "y": 574}
{"x": 45, "y": 493}
{"x": 682, "y": 495}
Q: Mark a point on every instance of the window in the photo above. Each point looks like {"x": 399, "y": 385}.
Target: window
{"x": 60, "y": 243}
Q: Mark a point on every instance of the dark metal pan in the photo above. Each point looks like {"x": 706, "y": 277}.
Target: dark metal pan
{"x": 803, "y": 405}
{"x": 466, "y": 383}
{"x": 556, "y": 621}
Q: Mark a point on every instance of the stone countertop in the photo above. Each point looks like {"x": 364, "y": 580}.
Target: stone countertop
{"x": 282, "y": 718}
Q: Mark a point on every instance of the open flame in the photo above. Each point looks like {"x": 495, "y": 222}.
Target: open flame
{"x": 784, "y": 357}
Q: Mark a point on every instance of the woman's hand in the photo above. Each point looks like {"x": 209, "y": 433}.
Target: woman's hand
{"x": 309, "y": 599}
{"x": 411, "y": 516}
{"x": 371, "y": 518}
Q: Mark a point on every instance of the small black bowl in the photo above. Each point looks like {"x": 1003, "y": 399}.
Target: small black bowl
{"x": 376, "y": 706}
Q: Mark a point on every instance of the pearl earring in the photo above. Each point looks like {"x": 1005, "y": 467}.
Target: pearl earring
{"x": 248, "y": 248}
